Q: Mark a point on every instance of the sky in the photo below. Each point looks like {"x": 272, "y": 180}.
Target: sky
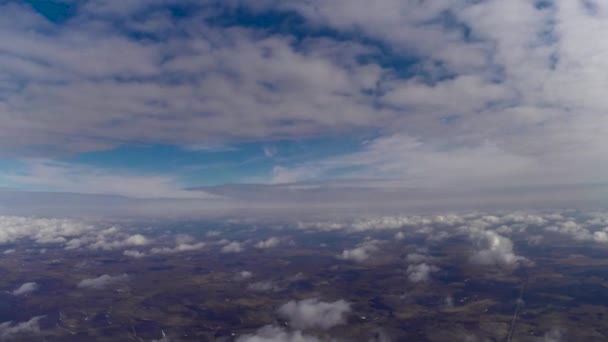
{"x": 206, "y": 99}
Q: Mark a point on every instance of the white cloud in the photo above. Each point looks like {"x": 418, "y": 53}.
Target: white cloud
{"x": 360, "y": 253}
{"x": 312, "y": 313}
{"x": 271, "y": 333}
{"x": 179, "y": 248}
{"x": 102, "y": 281}
{"x": 232, "y": 247}
{"x": 495, "y": 250}
{"x": 416, "y": 258}
{"x": 421, "y": 272}
{"x": 134, "y": 253}
{"x": 263, "y": 286}
{"x": 41, "y": 230}
{"x": 492, "y": 106}
{"x": 183, "y": 243}
{"x": 72, "y": 234}
{"x": 268, "y": 243}
{"x": 25, "y": 288}
{"x": 11, "y": 330}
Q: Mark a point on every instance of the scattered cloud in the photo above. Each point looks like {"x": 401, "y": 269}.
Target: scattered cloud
{"x": 495, "y": 250}
{"x": 263, "y": 286}
{"x": 268, "y": 243}
{"x": 134, "y": 253}
{"x": 313, "y": 313}
{"x": 420, "y": 272}
{"x": 12, "y": 330}
{"x": 102, "y": 281}
{"x": 360, "y": 253}
{"x": 25, "y": 288}
{"x": 232, "y": 247}
{"x": 183, "y": 243}
{"x": 271, "y": 333}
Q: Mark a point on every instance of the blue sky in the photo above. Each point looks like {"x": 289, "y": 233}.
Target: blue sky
{"x": 148, "y": 98}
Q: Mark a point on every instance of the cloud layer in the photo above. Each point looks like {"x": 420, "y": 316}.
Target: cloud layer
{"x": 448, "y": 93}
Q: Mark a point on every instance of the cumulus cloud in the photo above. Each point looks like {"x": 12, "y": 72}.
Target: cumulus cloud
{"x": 313, "y": 313}
{"x": 12, "y": 330}
{"x": 232, "y": 247}
{"x": 495, "y": 250}
{"x": 271, "y": 333}
{"x": 421, "y": 272}
{"x": 581, "y": 231}
{"x": 102, "y": 281}
{"x": 25, "y": 288}
{"x": 41, "y": 230}
{"x": 183, "y": 243}
{"x": 108, "y": 244}
{"x": 360, "y": 253}
{"x": 268, "y": 243}
{"x": 70, "y": 233}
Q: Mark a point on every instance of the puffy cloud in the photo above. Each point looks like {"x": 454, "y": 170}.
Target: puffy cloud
{"x": 271, "y": 333}
{"x": 232, "y": 247}
{"x": 108, "y": 240}
{"x": 133, "y": 240}
{"x": 421, "y": 272}
{"x": 102, "y": 281}
{"x": 360, "y": 253}
{"x": 495, "y": 250}
{"x": 268, "y": 243}
{"x": 312, "y": 313}
{"x": 183, "y": 243}
{"x": 70, "y": 233}
{"x": 11, "y": 330}
{"x": 25, "y": 288}
{"x": 41, "y": 230}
